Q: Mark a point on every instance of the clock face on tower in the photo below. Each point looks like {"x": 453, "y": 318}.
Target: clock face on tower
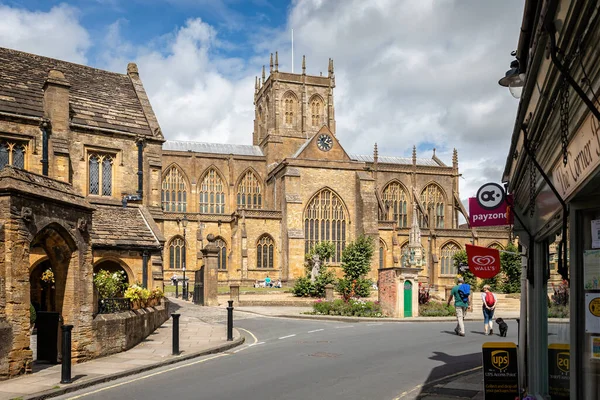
{"x": 324, "y": 142}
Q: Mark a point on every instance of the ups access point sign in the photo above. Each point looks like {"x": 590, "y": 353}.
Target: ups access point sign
{"x": 559, "y": 370}
{"x": 500, "y": 371}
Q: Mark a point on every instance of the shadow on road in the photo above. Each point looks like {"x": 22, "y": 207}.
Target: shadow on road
{"x": 452, "y": 364}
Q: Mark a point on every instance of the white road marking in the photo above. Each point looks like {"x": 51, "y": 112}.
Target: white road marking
{"x": 316, "y": 330}
{"x": 288, "y": 336}
{"x": 249, "y": 345}
{"x": 344, "y": 327}
{"x": 255, "y": 344}
{"x": 377, "y": 324}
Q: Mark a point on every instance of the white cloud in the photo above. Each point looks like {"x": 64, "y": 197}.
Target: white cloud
{"x": 56, "y": 33}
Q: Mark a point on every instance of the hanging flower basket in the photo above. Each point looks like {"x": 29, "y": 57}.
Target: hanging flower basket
{"x": 48, "y": 276}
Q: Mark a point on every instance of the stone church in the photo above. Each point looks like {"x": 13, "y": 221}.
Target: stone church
{"x": 88, "y": 182}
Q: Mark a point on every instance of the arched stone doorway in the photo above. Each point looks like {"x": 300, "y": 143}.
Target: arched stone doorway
{"x": 42, "y": 290}
{"x": 114, "y": 266}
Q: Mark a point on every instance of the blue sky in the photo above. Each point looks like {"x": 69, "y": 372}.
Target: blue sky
{"x": 408, "y": 73}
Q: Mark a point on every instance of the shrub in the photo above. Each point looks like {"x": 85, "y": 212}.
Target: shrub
{"x": 137, "y": 295}
{"x": 356, "y": 263}
{"x": 510, "y": 264}
{"x": 561, "y": 294}
{"x": 303, "y": 287}
{"x": 324, "y": 278}
{"x": 110, "y": 284}
{"x": 436, "y": 309}
{"x": 350, "y": 308}
{"x": 558, "y": 311}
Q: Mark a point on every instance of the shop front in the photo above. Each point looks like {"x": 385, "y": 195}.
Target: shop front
{"x": 553, "y": 173}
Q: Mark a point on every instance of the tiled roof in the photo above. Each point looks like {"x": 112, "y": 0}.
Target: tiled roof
{"x": 97, "y": 98}
{"x": 213, "y": 148}
{"x": 122, "y": 227}
{"x": 395, "y": 160}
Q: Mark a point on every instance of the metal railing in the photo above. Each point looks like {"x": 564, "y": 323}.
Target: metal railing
{"x": 113, "y": 305}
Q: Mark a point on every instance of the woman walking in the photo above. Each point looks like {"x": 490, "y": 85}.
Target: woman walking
{"x": 489, "y": 300}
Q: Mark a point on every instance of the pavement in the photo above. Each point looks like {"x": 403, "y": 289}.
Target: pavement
{"x": 199, "y": 334}
{"x": 467, "y": 385}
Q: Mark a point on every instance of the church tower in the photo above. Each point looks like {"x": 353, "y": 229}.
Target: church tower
{"x": 291, "y": 108}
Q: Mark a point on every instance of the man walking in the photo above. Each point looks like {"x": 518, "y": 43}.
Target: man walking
{"x": 461, "y": 293}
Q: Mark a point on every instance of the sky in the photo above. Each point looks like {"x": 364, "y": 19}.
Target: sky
{"x": 408, "y": 72}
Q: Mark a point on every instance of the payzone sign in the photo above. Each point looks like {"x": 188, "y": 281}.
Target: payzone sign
{"x": 491, "y": 207}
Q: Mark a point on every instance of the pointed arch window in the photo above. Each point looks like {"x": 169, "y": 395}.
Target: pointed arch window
{"x": 495, "y": 246}
{"x": 212, "y": 193}
{"x": 289, "y": 103}
{"x": 176, "y": 253}
{"x": 249, "y": 192}
{"x": 222, "y": 255}
{"x": 316, "y": 111}
{"x": 325, "y": 221}
{"x": 174, "y": 191}
{"x": 447, "y": 259}
{"x": 395, "y": 201}
{"x": 265, "y": 252}
{"x": 382, "y": 253}
{"x": 100, "y": 173}
{"x": 404, "y": 255}
{"x": 432, "y": 200}
{"x": 12, "y": 153}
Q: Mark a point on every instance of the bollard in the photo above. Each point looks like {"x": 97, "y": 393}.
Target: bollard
{"x": 65, "y": 375}
{"x": 230, "y": 321}
{"x": 175, "y": 333}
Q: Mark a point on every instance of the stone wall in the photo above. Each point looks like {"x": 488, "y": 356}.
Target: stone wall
{"x": 118, "y": 332}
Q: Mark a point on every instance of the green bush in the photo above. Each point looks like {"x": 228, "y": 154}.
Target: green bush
{"x": 356, "y": 263}
{"x": 436, "y": 309}
{"x": 303, "y": 287}
{"x": 324, "y": 278}
{"x": 558, "y": 311}
{"x": 356, "y": 288}
{"x": 109, "y": 284}
{"x": 350, "y": 308}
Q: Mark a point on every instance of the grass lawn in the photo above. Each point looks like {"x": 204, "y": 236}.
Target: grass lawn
{"x": 251, "y": 289}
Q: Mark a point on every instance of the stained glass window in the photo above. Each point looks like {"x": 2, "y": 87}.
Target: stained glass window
{"x": 325, "y": 221}
{"x": 174, "y": 191}
{"x": 249, "y": 192}
{"x": 212, "y": 193}
{"x": 265, "y": 251}
{"x": 447, "y": 259}
{"x": 176, "y": 253}
{"x": 432, "y": 199}
{"x": 395, "y": 201}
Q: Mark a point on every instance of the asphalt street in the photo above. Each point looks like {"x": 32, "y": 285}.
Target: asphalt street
{"x": 306, "y": 359}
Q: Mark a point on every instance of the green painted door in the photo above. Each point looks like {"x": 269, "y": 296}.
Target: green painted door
{"x": 407, "y": 299}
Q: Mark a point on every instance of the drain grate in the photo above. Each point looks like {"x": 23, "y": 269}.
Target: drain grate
{"x": 322, "y": 354}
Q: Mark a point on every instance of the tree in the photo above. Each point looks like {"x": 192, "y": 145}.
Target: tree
{"x": 510, "y": 264}
{"x": 304, "y": 287}
{"x": 356, "y": 263}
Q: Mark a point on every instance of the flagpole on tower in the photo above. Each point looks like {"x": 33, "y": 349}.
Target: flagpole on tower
{"x": 292, "y": 50}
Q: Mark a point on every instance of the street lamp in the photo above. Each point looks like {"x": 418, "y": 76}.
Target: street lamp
{"x": 514, "y": 80}
{"x": 184, "y": 222}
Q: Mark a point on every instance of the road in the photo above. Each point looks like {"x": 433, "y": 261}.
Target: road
{"x": 306, "y": 359}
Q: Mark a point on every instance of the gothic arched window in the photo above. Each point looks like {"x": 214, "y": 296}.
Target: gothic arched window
{"x": 447, "y": 259}
{"x": 382, "y": 253}
{"x": 404, "y": 255}
{"x": 316, "y": 111}
{"x": 289, "y": 103}
{"x": 265, "y": 252}
{"x": 100, "y": 168}
{"x": 174, "y": 191}
{"x": 496, "y": 246}
{"x": 212, "y": 193}
{"x": 325, "y": 221}
{"x": 395, "y": 201}
{"x": 432, "y": 200}
{"x": 248, "y": 192}
{"x": 222, "y": 255}
{"x": 176, "y": 253}
{"x": 12, "y": 153}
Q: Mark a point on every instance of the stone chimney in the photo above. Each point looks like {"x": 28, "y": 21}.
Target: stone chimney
{"x": 56, "y": 101}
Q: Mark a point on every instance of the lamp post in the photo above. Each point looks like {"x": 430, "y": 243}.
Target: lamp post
{"x": 514, "y": 79}
{"x": 184, "y": 222}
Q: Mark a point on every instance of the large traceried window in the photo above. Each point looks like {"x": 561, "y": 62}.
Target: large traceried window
{"x": 289, "y": 104}
{"x": 432, "y": 199}
{"x": 249, "y": 192}
{"x": 12, "y": 153}
{"x": 395, "y": 201}
{"x": 222, "y": 255}
{"x": 212, "y": 193}
{"x": 100, "y": 173}
{"x": 316, "y": 111}
{"x": 176, "y": 253}
{"x": 447, "y": 259}
{"x": 265, "y": 252}
{"x": 174, "y": 191}
{"x": 325, "y": 221}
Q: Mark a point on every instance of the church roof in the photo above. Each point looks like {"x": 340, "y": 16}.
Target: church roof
{"x": 213, "y": 148}
{"x": 97, "y": 98}
{"x": 427, "y": 162}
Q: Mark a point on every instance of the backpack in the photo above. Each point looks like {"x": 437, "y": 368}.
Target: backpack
{"x": 464, "y": 290}
{"x": 489, "y": 299}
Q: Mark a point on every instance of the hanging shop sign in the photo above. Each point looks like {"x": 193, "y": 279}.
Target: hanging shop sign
{"x": 583, "y": 158}
{"x": 500, "y": 371}
{"x": 483, "y": 262}
{"x": 559, "y": 371}
{"x": 490, "y": 207}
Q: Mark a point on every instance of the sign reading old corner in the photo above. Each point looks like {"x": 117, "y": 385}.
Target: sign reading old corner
{"x": 583, "y": 158}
